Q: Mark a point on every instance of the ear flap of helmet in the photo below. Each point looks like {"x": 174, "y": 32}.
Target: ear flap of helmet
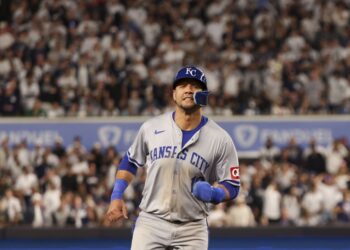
{"x": 201, "y": 98}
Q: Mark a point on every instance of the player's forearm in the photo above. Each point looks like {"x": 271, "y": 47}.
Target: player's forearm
{"x": 123, "y": 178}
{"x": 230, "y": 190}
{"x": 125, "y": 175}
{"x": 223, "y": 191}
{"x": 227, "y": 197}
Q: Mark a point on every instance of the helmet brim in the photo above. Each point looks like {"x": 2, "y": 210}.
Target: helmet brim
{"x": 178, "y": 81}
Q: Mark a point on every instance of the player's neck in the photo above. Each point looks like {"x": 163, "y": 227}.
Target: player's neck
{"x": 187, "y": 121}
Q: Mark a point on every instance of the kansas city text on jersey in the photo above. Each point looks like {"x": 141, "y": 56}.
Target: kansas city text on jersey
{"x": 172, "y": 151}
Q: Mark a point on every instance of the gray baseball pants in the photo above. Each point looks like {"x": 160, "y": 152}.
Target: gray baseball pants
{"x": 152, "y": 232}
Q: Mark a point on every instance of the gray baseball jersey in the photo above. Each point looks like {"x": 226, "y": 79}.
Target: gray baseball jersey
{"x": 210, "y": 154}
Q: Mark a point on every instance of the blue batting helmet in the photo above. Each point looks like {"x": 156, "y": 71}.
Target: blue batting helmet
{"x": 191, "y": 72}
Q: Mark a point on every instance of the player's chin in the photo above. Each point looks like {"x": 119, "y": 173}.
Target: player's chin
{"x": 189, "y": 106}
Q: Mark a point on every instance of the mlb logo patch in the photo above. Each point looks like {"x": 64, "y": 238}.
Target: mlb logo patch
{"x": 234, "y": 173}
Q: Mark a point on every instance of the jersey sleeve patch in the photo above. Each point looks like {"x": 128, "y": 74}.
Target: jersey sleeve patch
{"x": 234, "y": 173}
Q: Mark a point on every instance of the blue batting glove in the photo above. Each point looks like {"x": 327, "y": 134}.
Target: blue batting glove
{"x": 202, "y": 190}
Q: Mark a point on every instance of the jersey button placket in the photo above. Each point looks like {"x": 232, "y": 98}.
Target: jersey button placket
{"x": 175, "y": 176}
{"x": 175, "y": 180}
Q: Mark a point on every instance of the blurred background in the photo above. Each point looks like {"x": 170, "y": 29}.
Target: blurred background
{"x": 77, "y": 78}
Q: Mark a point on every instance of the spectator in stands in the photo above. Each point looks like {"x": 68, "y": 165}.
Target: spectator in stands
{"x": 4, "y": 153}
{"x": 342, "y": 210}
{"x": 11, "y": 208}
{"x": 335, "y": 156}
{"x": 342, "y": 178}
{"x": 315, "y": 161}
{"x": 76, "y": 147}
{"x": 58, "y": 148}
{"x": 315, "y": 91}
{"x": 255, "y": 198}
{"x": 291, "y": 207}
{"x": 51, "y": 202}
{"x": 312, "y": 206}
{"x": 285, "y": 175}
{"x": 331, "y": 197}
{"x": 26, "y": 184}
{"x": 69, "y": 179}
{"x": 78, "y": 214}
{"x": 64, "y": 210}
{"x": 64, "y": 53}
{"x": 57, "y": 59}
{"x": 293, "y": 152}
{"x": 271, "y": 212}
{"x": 217, "y": 216}
{"x": 269, "y": 153}
{"x": 37, "y": 210}
{"x": 10, "y": 99}
{"x": 240, "y": 214}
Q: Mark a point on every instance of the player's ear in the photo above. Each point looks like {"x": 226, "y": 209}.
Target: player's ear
{"x": 174, "y": 95}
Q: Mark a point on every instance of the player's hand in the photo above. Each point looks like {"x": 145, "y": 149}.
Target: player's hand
{"x": 116, "y": 211}
{"x": 202, "y": 190}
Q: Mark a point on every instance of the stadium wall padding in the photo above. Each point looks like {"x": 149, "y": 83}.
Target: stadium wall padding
{"x": 248, "y": 133}
{"x": 20, "y": 233}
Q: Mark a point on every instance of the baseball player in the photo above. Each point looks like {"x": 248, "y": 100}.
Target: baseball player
{"x": 190, "y": 162}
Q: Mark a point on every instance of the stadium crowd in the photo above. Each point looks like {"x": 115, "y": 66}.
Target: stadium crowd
{"x": 81, "y": 58}
{"x": 70, "y": 186}
{"x": 118, "y": 57}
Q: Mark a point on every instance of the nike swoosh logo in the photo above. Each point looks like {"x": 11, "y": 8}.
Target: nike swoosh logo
{"x": 156, "y": 132}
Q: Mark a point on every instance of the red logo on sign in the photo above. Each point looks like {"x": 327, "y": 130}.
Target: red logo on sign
{"x": 234, "y": 173}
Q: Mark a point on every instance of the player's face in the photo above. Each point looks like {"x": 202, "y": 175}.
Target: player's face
{"x": 183, "y": 94}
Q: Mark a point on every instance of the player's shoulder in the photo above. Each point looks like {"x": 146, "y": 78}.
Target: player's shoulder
{"x": 156, "y": 120}
{"x": 216, "y": 130}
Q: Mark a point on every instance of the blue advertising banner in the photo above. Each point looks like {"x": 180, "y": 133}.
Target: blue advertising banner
{"x": 249, "y": 134}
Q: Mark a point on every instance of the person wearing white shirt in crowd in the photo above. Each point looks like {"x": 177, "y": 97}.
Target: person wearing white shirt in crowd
{"x": 13, "y": 163}
{"x": 29, "y": 88}
{"x": 4, "y": 152}
{"x": 38, "y": 213}
{"x": 23, "y": 153}
{"x": 342, "y": 210}
{"x": 51, "y": 202}
{"x": 51, "y": 176}
{"x": 217, "y": 216}
{"x": 63, "y": 212}
{"x": 50, "y": 158}
{"x": 312, "y": 205}
{"x": 76, "y": 146}
{"x": 81, "y": 167}
{"x": 232, "y": 81}
{"x": 26, "y": 181}
{"x": 271, "y": 204}
{"x": 331, "y": 197}
{"x": 36, "y": 154}
{"x": 291, "y": 206}
{"x": 338, "y": 90}
{"x": 335, "y": 157}
{"x": 240, "y": 214}
{"x": 342, "y": 178}
{"x": 78, "y": 214}
{"x": 285, "y": 175}
{"x": 213, "y": 77}
{"x": 11, "y": 207}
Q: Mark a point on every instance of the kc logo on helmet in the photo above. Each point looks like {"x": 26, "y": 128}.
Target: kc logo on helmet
{"x": 191, "y": 71}
{"x": 234, "y": 173}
